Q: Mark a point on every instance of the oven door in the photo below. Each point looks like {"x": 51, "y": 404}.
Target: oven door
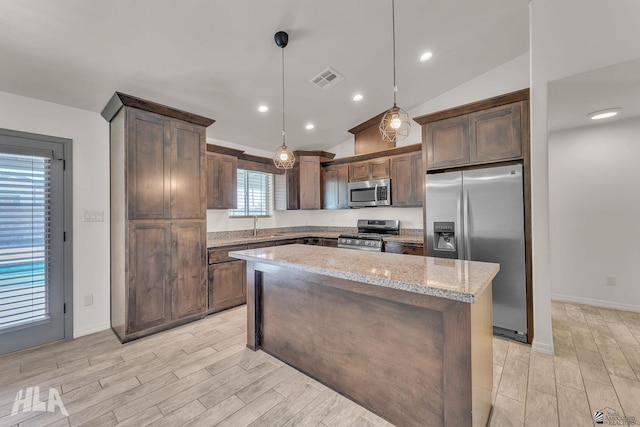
{"x": 370, "y": 193}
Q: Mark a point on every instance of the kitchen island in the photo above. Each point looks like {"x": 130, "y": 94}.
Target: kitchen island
{"x": 409, "y": 338}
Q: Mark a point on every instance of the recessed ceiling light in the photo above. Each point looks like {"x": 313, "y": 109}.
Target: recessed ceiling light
{"x": 604, "y": 114}
{"x": 426, "y": 56}
{"x": 357, "y": 97}
{"x": 309, "y": 126}
{"x": 263, "y": 108}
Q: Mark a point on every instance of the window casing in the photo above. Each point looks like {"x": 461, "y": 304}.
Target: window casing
{"x": 254, "y": 193}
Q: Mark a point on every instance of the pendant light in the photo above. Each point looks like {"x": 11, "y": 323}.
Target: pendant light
{"x": 395, "y": 124}
{"x": 283, "y": 157}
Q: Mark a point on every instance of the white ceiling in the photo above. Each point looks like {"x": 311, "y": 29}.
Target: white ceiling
{"x": 572, "y": 99}
{"x": 218, "y": 58}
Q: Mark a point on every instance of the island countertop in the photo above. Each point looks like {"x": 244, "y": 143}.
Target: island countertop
{"x": 445, "y": 278}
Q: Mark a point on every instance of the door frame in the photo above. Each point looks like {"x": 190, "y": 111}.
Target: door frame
{"x": 67, "y": 215}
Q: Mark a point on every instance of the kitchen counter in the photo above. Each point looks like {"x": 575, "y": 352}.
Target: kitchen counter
{"x": 409, "y": 338}
{"x": 445, "y": 278}
{"x": 272, "y": 237}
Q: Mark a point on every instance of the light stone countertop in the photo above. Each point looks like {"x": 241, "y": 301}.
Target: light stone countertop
{"x": 445, "y": 278}
{"x": 217, "y": 243}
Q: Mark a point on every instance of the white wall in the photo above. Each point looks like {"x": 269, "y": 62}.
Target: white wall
{"x": 508, "y": 77}
{"x": 90, "y": 135}
{"x": 567, "y": 37}
{"x": 593, "y": 214}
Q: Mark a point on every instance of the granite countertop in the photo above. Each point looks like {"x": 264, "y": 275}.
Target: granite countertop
{"x": 445, "y": 278}
{"x": 271, "y": 237}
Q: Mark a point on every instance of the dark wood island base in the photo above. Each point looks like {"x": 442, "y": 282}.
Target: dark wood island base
{"x": 414, "y": 359}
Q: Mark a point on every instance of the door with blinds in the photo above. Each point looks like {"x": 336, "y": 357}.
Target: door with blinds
{"x": 32, "y": 291}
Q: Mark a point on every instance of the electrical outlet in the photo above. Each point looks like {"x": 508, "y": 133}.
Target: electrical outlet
{"x": 611, "y": 280}
{"x": 88, "y": 299}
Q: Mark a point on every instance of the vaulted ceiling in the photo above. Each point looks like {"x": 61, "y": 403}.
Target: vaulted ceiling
{"x": 218, "y": 58}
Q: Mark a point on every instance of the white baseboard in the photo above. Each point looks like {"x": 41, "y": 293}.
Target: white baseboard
{"x": 77, "y": 333}
{"x": 596, "y": 302}
{"x": 540, "y": 347}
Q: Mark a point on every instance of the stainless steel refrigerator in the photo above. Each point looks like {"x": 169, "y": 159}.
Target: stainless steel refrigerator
{"x": 478, "y": 215}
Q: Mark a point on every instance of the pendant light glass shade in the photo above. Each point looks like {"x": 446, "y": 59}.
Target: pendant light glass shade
{"x": 395, "y": 124}
{"x": 283, "y": 157}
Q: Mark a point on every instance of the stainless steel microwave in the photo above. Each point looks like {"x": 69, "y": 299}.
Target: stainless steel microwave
{"x": 370, "y": 193}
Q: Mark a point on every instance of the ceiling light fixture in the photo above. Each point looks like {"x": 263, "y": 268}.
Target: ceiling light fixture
{"x": 283, "y": 157}
{"x": 395, "y": 124}
{"x": 604, "y": 114}
{"x": 263, "y": 108}
{"x": 426, "y": 56}
{"x": 309, "y": 126}
{"x": 357, "y": 97}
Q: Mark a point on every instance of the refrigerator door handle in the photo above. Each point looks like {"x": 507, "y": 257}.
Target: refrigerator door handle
{"x": 465, "y": 218}
{"x": 460, "y": 232}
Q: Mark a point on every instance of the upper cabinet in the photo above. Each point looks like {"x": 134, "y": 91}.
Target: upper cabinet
{"x": 407, "y": 180}
{"x": 335, "y": 179}
{"x": 303, "y": 182}
{"x": 371, "y": 169}
{"x": 483, "y": 132}
{"x": 222, "y": 181}
{"x": 367, "y": 137}
{"x": 165, "y": 161}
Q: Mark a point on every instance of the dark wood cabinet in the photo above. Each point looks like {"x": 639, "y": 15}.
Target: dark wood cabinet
{"x": 158, "y": 216}
{"x": 447, "y": 142}
{"x": 485, "y": 136}
{"x": 404, "y": 248}
{"x": 335, "y": 180}
{"x": 227, "y": 278}
{"x": 227, "y": 285}
{"x": 495, "y": 134}
{"x": 149, "y": 280}
{"x": 148, "y": 155}
{"x": 370, "y": 169}
{"x": 303, "y": 181}
{"x": 165, "y": 167}
{"x": 316, "y": 241}
{"x": 189, "y": 293}
{"x": 327, "y": 241}
{"x": 222, "y": 181}
{"x": 407, "y": 180}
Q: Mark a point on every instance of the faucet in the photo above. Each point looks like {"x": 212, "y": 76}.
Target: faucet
{"x": 255, "y": 225}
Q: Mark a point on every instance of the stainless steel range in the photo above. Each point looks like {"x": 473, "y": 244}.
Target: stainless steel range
{"x": 370, "y": 234}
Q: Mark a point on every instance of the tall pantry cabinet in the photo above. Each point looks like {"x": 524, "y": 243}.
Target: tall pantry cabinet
{"x": 158, "y": 216}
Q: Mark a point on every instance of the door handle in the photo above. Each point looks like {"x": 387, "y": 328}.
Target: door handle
{"x": 467, "y": 226}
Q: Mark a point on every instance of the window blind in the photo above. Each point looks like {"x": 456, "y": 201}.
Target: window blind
{"x": 254, "y": 193}
{"x": 25, "y": 194}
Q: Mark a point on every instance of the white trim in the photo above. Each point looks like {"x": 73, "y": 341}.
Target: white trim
{"x": 540, "y": 347}
{"x": 596, "y": 302}
{"x": 92, "y": 330}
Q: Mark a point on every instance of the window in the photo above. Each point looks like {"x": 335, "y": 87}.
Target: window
{"x": 254, "y": 194}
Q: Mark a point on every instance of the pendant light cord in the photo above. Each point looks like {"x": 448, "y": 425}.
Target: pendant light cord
{"x": 393, "y": 27}
{"x": 283, "y": 137}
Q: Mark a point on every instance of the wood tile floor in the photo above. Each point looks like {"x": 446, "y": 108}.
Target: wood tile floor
{"x": 202, "y": 374}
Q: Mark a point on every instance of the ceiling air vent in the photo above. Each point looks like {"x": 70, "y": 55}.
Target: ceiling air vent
{"x": 327, "y": 79}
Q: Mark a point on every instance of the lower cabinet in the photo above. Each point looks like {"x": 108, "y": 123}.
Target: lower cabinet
{"x": 165, "y": 284}
{"x": 227, "y": 285}
{"x": 404, "y": 248}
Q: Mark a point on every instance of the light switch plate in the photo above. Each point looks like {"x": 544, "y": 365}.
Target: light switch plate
{"x": 93, "y": 216}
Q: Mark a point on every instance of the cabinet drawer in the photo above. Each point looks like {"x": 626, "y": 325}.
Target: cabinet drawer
{"x": 259, "y": 245}
{"x": 287, "y": 242}
{"x": 317, "y": 241}
{"x": 327, "y": 241}
{"x": 222, "y": 254}
{"x": 404, "y": 248}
